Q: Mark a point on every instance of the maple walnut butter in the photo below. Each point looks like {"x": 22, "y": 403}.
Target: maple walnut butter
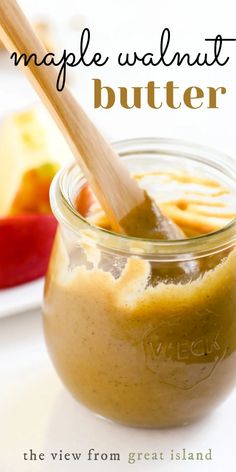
{"x": 132, "y": 336}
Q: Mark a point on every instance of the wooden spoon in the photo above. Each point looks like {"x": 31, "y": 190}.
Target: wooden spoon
{"x": 127, "y": 206}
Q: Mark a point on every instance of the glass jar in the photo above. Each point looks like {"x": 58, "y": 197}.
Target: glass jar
{"x": 140, "y": 350}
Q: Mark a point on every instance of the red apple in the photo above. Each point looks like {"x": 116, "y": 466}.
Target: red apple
{"x": 25, "y": 246}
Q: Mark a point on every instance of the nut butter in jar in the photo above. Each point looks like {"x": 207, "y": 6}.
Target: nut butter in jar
{"x": 132, "y": 336}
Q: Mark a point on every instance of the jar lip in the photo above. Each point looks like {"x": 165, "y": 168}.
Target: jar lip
{"x": 211, "y": 242}
{"x": 167, "y": 141}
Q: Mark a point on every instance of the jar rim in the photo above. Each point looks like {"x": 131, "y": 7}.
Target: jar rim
{"x": 196, "y": 246}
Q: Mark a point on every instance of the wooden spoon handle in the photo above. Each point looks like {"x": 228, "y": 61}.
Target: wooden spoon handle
{"x": 101, "y": 166}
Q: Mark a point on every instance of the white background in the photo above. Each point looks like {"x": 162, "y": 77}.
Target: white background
{"x": 35, "y": 410}
{"x": 126, "y": 25}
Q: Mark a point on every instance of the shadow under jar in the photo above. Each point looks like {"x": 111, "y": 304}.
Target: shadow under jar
{"x": 143, "y": 350}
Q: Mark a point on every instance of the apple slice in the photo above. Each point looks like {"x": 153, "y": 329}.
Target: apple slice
{"x": 25, "y": 247}
{"x": 33, "y": 193}
{"x": 28, "y": 140}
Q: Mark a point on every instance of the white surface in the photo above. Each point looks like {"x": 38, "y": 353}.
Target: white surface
{"x": 22, "y": 298}
{"x": 37, "y": 413}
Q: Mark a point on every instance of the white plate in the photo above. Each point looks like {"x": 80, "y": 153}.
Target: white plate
{"x": 38, "y": 413}
{"x": 22, "y": 298}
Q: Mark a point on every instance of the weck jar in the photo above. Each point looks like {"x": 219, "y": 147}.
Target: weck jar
{"x": 144, "y": 332}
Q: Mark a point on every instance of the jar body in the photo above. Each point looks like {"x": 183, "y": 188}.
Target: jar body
{"x": 143, "y": 354}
